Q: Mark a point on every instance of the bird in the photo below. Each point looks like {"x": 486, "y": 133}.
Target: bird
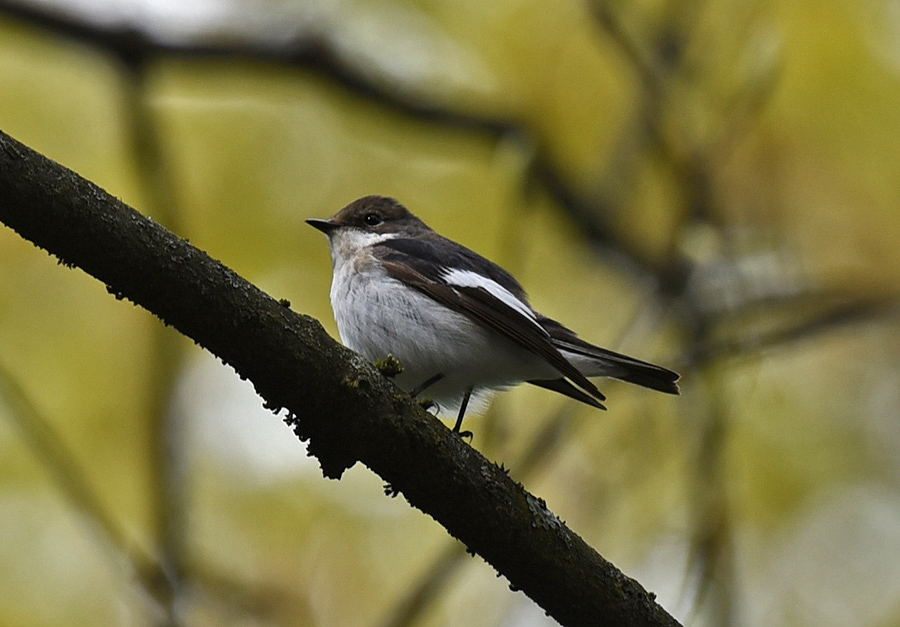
{"x": 461, "y": 326}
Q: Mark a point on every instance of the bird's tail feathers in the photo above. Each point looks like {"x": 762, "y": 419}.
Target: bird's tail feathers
{"x": 594, "y": 361}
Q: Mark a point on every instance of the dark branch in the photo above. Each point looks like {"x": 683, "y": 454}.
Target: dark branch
{"x": 336, "y": 400}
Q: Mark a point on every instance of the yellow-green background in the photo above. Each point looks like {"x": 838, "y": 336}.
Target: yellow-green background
{"x": 767, "y": 494}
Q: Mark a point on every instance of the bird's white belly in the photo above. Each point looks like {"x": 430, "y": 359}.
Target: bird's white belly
{"x": 377, "y": 315}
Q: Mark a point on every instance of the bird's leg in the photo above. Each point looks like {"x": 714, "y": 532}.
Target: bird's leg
{"x": 462, "y": 413}
{"x": 426, "y": 384}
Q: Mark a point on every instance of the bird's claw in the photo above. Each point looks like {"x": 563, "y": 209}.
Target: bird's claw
{"x": 464, "y": 434}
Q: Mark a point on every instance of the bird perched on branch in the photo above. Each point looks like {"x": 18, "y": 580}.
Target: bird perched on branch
{"x": 460, "y": 325}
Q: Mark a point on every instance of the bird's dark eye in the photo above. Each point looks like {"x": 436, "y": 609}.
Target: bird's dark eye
{"x": 372, "y": 219}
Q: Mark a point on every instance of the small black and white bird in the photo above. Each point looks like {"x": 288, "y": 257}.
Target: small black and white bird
{"x": 460, "y": 325}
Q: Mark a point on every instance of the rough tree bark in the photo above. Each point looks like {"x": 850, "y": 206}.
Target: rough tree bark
{"x": 337, "y": 401}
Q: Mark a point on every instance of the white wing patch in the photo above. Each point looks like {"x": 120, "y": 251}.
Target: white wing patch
{"x": 467, "y": 278}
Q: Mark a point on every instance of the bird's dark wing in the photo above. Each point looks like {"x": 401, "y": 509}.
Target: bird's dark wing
{"x": 423, "y": 254}
{"x": 505, "y": 314}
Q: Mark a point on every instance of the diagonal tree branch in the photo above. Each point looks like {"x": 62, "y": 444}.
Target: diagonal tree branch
{"x": 336, "y": 400}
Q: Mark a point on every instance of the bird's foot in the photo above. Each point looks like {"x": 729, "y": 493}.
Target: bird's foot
{"x": 464, "y": 434}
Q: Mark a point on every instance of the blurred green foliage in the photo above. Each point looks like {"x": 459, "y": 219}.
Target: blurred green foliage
{"x": 723, "y": 198}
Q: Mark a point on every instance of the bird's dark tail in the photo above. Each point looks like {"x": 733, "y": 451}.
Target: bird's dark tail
{"x": 639, "y": 372}
{"x": 594, "y": 361}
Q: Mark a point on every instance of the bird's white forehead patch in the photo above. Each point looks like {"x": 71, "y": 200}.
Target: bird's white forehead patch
{"x": 467, "y": 278}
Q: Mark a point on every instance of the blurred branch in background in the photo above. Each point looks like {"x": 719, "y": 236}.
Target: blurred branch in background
{"x": 68, "y": 475}
{"x": 312, "y": 51}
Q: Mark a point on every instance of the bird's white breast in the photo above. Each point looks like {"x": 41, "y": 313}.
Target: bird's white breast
{"x": 377, "y": 314}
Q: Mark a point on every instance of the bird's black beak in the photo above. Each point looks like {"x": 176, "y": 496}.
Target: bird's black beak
{"x": 326, "y": 226}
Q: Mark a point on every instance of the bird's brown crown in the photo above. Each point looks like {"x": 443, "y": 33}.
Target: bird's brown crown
{"x": 377, "y": 214}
